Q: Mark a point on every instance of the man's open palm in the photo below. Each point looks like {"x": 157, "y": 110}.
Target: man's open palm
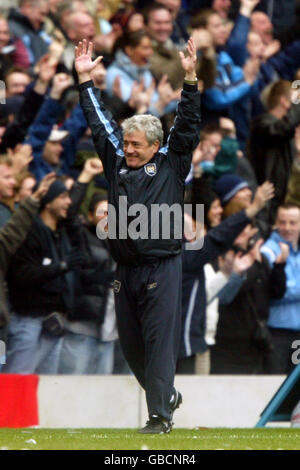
{"x": 83, "y": 57}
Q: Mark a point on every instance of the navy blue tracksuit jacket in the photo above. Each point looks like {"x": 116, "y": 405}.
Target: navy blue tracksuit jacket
{"x": 149, "y": 272}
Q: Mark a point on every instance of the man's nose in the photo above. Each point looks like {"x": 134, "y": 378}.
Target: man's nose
{"x": 130, "y": 148}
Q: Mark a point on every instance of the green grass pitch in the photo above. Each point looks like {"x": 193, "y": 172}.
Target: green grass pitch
{"x": 129, "y": 439}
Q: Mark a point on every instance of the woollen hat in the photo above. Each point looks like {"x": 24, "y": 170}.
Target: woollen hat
{"x": 56, "y": 188}
{"x": 228, "y": 185}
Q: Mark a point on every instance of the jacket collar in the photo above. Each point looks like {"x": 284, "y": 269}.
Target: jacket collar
{"x": 125, "y": 63}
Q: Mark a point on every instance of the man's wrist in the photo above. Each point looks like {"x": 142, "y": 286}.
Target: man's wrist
{"x": 252, "y": 211}
{"x": 83, "y": 77}
{"x": 85, "y": 177}
{"x": 191, "y": 79}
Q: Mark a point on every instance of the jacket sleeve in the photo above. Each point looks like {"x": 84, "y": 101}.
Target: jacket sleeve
{"x": 216, "y": 242}
{"x": 287, "y": 61}
{"x": 277, "y": 281}
{"x": 13, "y": 234}
{"x": 285, "y": 127}
{"x": 184, "y": 135}
{"x": 218, "y": 98}
{"x": 236, "y": 45}
{"x": 293, "y": 190}
{"x": 106, "y": 134}
{"x": 40, "y": 130}
{"x": 27, "y": 267}
{"x": 76, "y": 125}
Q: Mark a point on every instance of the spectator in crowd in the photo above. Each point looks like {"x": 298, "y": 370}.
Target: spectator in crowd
{"x": 7, "y": 184}
{"x": 273, "y": 64}
{"x": 41, "y": 282}
{"x": 242, "y": 339}
{"x": 16, "y": 81}
{"x": 222, "y": 7}
{"x": 284, "y": 319}
{"x": 78, "y": 25}
{"x": 16, "y": 131}
{"x": 26, "y": 23}
{"x": 88, "y": 346}
{"x": 129, "y": 20}
{"x": 54, "y": 148}
{"x": 12, "y": 50}
{"x": 55, "y": 23}
{"x": 12, "y": 235}
{"x": 217, "y": 241}
{"x": 261, "y": 24}
{"x": 204, "y": 155}
{"x": 165, "y": 59}
{"x": 224, "y": 82}
{"x": 131, "y": 74}
{"x": 235, "y": 194}
{"x": 270, "y": 149}
{"x": 180, "y": 19}
{"x": 25, "y": 184}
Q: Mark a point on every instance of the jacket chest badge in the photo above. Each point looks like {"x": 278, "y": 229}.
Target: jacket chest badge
{"x": 150, "y": 169}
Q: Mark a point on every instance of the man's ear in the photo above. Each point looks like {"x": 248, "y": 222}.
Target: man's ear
{"x": 128, "y": 51}
{"x": 156, "y": 145}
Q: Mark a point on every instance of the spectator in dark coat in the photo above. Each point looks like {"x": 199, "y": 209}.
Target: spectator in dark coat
{"x": 271, "y": 144}
{"x": 26, "y": 23}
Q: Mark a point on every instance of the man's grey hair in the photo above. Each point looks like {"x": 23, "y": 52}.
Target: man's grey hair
{"x": 147, "y": 123}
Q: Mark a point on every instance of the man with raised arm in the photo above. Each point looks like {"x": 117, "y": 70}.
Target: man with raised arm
{"x": 148, "y": 278}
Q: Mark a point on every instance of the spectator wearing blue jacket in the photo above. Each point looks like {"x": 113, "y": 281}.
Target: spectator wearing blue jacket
{"x": 284, "y": 318}
{"x": 225, "y": 83}
{"x": 58, "y": 157}
{"x": 282, "y": 65}
{"x": 129, "y": 76}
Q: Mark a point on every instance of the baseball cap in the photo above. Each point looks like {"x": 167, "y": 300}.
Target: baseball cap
{"x": 57, "y": 135}
{"x": 228, "y": 185}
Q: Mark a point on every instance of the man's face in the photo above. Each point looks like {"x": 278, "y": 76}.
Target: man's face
{"x": 216, "y": 27}
{"x": 255, "y": 46}
{"x": 211, "y": 146}
{"x": 222, "y": 7}
{"x": 7, "y": 181}
{"x": 261, "y": 24}
{"x": 172, "y": 5}
{"x": 36, "y": 13}
{"x": 16, "y": 84}
{"x": 99, "y": 214}
{"x": 288, "y": 224}
{"x": 82, "y": 27}
{"x": 243, "y": 197}
{"x": 215, "y": 212}
{"x": 141, "y": 53}
{"x": 52, "y": 151}
{"x": 4, "y": 33}
{"x": 160, "y": 25}
{"x": 59, "y": 206}
{"x": 26, "y": 188}
{"x": 137, "y": 149}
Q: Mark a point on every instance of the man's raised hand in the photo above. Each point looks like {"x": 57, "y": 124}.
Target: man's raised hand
{"x": 189, "y": 60}
{"x": 83, "y": 60}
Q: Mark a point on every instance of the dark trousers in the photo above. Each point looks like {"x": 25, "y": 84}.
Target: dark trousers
{"x": 280, "y": 360}
{"x": 148, "y": 310}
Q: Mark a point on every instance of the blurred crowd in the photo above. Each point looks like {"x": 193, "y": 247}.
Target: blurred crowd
{"x": 241, "y": 309}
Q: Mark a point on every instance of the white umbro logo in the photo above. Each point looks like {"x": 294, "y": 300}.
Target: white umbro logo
{"x": 123, "y": 171}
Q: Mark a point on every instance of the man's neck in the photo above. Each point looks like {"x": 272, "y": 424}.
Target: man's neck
{"x": 278, "y": 112}
{"x": 49, "y": 220}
